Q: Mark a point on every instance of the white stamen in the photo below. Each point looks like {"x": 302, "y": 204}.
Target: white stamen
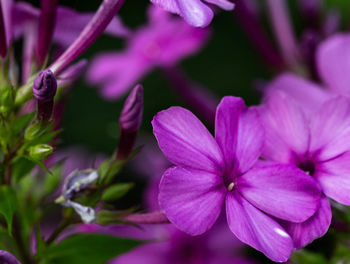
{"x": 230, "y": 187}
{"x": 281, "y": 232}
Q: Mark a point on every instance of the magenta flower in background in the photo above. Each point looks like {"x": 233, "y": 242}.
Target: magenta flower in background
{"x": 163, "y": 42}
{"x": 180, "y": 248}
{"x": 67, "y": 29}
{"x": 195, "y": 12}
{"x": 333, "y": 66}
{"x": 25, "y": 23}
{"x": 212, "y": 172}
{"x": 318, "y": 145}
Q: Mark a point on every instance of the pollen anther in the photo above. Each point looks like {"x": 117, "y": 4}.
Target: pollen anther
{"x": 230, "y": 187}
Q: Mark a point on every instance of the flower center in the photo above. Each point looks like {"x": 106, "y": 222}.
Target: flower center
{"x": 307, "y": 166}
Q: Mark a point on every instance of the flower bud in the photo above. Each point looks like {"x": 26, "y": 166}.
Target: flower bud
{"x": 34, "y": 131}
{"x": 131, "y": 116}
{"x": 40, "y": 152}
{"x": 44, "y": 90}
{"x": 130, "y": 121}
{"x": 45, "y": 86}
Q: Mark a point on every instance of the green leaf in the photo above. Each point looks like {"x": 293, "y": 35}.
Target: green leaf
{"x": 8, "y": 204}
{"x": 109, "y": 169}
{"x": 116, "y": 191}
{"x": 87, "y": 249}
{"x": 307, "y": 257}
{"x": 22, "y": 167}
{"x": 21, "y": 122}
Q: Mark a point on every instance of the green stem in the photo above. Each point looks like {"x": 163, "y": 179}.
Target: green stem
{"x": 62, "y": 226}
{"x": 23, "y": 250}
{"x": 24, "y": 93}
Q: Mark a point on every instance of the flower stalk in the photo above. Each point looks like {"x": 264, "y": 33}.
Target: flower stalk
{"x": 147, "y": 218}
{"x": 91, "y": 32}
{"x": 3, "y": 44}
{"x": 46, "y": 29}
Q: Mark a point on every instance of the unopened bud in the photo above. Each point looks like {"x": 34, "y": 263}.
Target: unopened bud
{"x": 45, "y": 86}
{"x": 131, "y": 116}
{"x": 44, "y": 90}
{"x": 34, "y": 131}
{"x": 130, "y": 121}
{"x": 40, "y": 152}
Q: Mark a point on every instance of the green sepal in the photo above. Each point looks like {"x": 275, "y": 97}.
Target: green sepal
{"x": 21, "y": 122}
{"x": 116, "y": 191}
{"x": 106, "y": 217}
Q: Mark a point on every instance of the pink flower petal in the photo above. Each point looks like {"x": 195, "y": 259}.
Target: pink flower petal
{"x": 69, "y": 28}
{"x": 308, "y": 95}
{"x": 256, "y": 229}
{"x": 191, "y": 199}
{"x": 167, "y": 5}
{"x": 195, "y": 12}
{"x": 286, "y": 129}
{"x": 227, "y": 118}
{"x": 224, "y": 4}
{"x": 334, "y": 177}
{"x": 333, "y": 61}
{"x": 185, "y": 141}
{"x": 283, "y": 191}
{"x": 250, "y": 140}
{"x": 330, "y": 129}
{"x": 315, "y": 227}
{"x": 116, "y": 73}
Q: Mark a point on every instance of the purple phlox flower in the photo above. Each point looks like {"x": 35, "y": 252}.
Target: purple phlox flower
{"x": 7, "y": 258}
{"x": 25, "y": 23}
{"x": 197, "y": 13}
{"x": 318, "y": 144}
{"x": 332, "y": 62}
{"x": 210, "y": 173}
{"x": 68, "y": 25}
{"x": 168, "y": 244}
{"x": 164, "y": 41}
{"x": 182, "y": 248}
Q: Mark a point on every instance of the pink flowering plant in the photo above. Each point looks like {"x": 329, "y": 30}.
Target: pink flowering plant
{"x": 160, "y": 162}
